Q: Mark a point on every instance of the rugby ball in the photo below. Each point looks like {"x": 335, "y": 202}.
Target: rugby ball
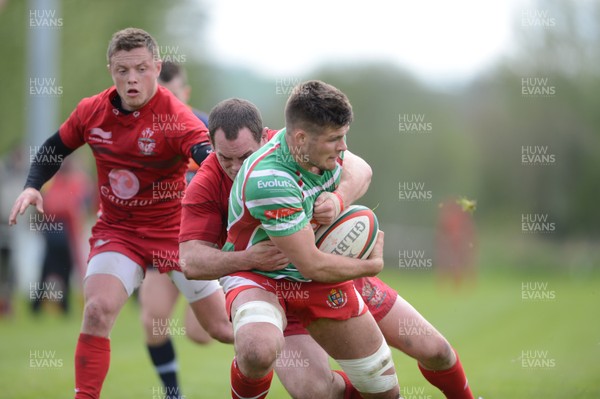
{"x": 352, "y": 234}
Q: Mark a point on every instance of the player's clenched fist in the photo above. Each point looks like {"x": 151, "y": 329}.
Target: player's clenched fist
{"x": 327, "y": 207}
{"x": 29, "y": 196}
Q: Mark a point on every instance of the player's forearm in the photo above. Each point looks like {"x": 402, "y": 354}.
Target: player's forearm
{"x": 329, "y": 268}
{"x": 201, "y": 261}
{"x": 355, "y": 179}
{"x": 47, "y": 161}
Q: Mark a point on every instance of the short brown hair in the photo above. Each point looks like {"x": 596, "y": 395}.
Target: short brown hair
{"x": 132, "y": 38}
{"x": 314, "y": 106}
{"x": 170, "y": 71}
{"x": 234, "y": 114}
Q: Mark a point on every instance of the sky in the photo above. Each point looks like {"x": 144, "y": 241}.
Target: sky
{"x": 437, "y": 40}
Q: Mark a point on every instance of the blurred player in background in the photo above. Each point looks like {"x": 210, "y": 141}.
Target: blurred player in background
{"x": 67, "y": 199}
{"x": 12, "y": 170}
{"x": 456, "y": 242}
{"x": 140, "y": 170}
{"x": 158, "y": 295}
{"x": 174, "y": 77}
{"x": 236, "y": 132}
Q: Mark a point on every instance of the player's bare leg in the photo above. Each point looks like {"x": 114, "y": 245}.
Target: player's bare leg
{"x": 207, "y": 301}
{"x": 212, "y": 316}
{"x": 406, "y": 329}
{"x": 256, "y": 342}
{"x": 104, "y": 296}
{"x": 302, "y": 360}
{"x": 158, "y": 296}
{"x": 193, "y": 329}
{"x": 352, "y": 339}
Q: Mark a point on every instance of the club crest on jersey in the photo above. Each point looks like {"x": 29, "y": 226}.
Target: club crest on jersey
{"x": 336, "y": 299}
{"x": 373, "y": 295}
{"x": 146, "y": 143}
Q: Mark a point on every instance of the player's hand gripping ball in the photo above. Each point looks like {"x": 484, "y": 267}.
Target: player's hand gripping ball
{"x": 353, "y": 233}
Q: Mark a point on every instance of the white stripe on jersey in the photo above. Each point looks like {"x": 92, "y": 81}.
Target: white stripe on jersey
{"x": 239, "y": 188}
{"x": 270, "y": 172}
{"x": 231, "y": 208}
{"x": 337, "y": 172}
{"x": 285, "y": 225}
{"x": 327, "y": 184}
{"x": 272, "y": 201}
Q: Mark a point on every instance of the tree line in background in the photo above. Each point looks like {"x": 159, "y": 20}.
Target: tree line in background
{"x": 522, "y": 138}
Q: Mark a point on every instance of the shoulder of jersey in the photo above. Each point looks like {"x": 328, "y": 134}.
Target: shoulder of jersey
{"x": 96, "y": 99}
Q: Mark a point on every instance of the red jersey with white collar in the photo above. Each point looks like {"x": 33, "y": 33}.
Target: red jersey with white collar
{"x": 204, "y": 206}
{"x": 141, "y": 158}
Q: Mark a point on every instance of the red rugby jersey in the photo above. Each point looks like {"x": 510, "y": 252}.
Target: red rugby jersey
{"x": 140, "y": 157}
{"x": 205, "y": 204}
{"x": 204, "y": 214}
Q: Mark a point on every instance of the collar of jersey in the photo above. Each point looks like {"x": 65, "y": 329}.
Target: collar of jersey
{"x": 131, "y": 114}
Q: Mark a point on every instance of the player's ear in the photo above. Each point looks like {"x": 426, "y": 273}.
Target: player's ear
{"x": 301, "y": 136}
{"x": 264, "y": 137}
{"x": 187, "y": 93}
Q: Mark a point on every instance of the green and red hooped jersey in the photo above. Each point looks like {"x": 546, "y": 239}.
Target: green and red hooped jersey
{"x": 273, "y": 195}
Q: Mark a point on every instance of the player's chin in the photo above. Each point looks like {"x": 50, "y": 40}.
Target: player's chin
{"x": 134, "y": 104}
{"x": 231, "y": 175}
{"x": 330, "y": 163}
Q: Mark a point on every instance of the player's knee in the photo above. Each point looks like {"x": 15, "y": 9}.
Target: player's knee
{"x": 258, "y": 355}
{"x": 373, "y": 374}
{"x": 147, "y": 320}
{"x": 439, "y": 356}
{"x": 258, "y": 331}
{"x": 98, "y": 314}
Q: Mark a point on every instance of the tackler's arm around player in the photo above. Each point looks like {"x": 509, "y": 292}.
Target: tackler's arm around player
{"x": 201, "y": 260}
{"x": 323, "y": 267}
{"x": 354, "y": 182}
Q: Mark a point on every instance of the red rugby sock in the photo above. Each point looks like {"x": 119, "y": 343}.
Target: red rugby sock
{"x": 350, "y": 392}
{"x": 243, "y": 387}
{"x": 452, "y": 382}
{"x": 92, "y": 358}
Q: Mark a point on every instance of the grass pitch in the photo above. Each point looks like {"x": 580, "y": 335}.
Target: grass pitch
{"x": 525, "y": 336}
